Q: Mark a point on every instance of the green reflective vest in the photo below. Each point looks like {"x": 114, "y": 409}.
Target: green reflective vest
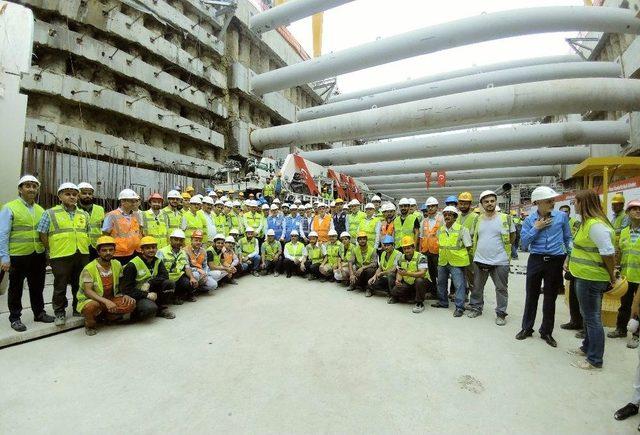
{"x": 155, "y": 226}
{"x": 143, "y": 274}
{"x": 235, "y": 222}
{"x": 617, "y": 225}
{"x": 268, "y": 189}
{"x": 66, "y": 235}
{"x": 468, "y": 221}
{"x": 369, "y": 227}
{"x": 174, "y": 262}
{"x": 314, "y": 254}
{"x": 333, "y": 253}
{"x": 403, "y": 229}
{"x": 452, "y": 250}
{"x": 194, "y": 222}
{"x": 346, "y": 253}
{"x": 361, "y": 259}
{"x": 217, "y": 258}
{"x": 388, "y": 262}
{"x": 630, "y": 261}
{"x": 294, "y": 251}
{"x": 412, "y": 266}
{"x": 354, "y": 222}
{"x": 95, "y": 223}
{"x": 585, "y": 261}
{"x": 92, "y": 268}
{"x": 24, "y": 239}
{"x": 222, "y": 223}
{"x": 254, "y": 220}
{"x": 271, "y": 250}
{"x": 173, "y": 219}
{"x": 506, "y": 233}
{"x": 247, "y": 246}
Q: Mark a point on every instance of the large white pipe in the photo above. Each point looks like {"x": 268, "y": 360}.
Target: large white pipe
{"x": 553, "y": 97}
{"x": 527, "y": 74}
{"x": 289, "y": 12}
{"x": 501, "y": 159}
{"x": 435, "y": 190}
{"x": 498, "y": 139}
{"x": 486, "y": 27}
{"x": 506, "y": 172}
{"x": 458, "y": 73}
{"x": 457, "y": 183}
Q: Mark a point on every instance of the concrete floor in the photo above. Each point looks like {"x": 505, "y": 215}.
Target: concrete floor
{"x": 274, "y": 355}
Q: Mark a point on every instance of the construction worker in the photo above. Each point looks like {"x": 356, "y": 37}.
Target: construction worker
{"x": 517, "y": 222}
{"x": 454, "y": 243}
{"x": 153, "y": 223}
{"x": 384, "y": 277}
{"x": 339, "y": 216}
{"x": 255, "y": 219}
{"x": 271, "y": 254}
{"x": 574, "y": 223}
{"x": 295, "y": 256}
{"x": 322, "y": 223}
{"x": 452, "y": 201}
{"x": 184, "y": 204}
{"x": 64, "y": 232}
{"x": 208, "y": 214}
{"x": 547, "y": 236}
{"x": 197, "y": 255}
{"x": 22, "y": 253}
{"x": 467, "y": 218}
{"x": 145, "y": 278}
{"x": 363, "y": 263}
{"x": 629, "y": 261}
{"x": 193, "y": 218}
{"x": 190, "y": 190}
{"x": 493, "y": 236}
{"x": 353, "y": 218}
{"x": 220, "y": 218}
{"x": 172, "y": 214}
{"x": 96, "y": 215}
{"x": 331, "y": 262}
{"x": 346, "y": 253}
{"x": 236, "y": 219}
{"x": 217, "y": 269}
{"x": 122, "y": 224}
{"x": 619, "y": 219}
{"x": 275, "y": 223}
{"x": 431, "y": 223}
{"x": 388, "y": 211}
{"x": 377, "y": 203}
{"x": 230, "y": 259}
{"x": 592, "y": 263}
{"x": 250, "y": 252}
{"x": 371, "y": 225}
{"x": 405, "y": 224}
{"x": 177, "y": 265}
{"x": 413, "y": 209}
{"x": 316, "y": 254}
{"x": 296, "y": 216}
{"x": 100, "y": 290}
{"x": 412, "y": 274}
{"x": 269, "y": 189}
{"x": 265, "y": 210}
{"x": 305, "y": 221}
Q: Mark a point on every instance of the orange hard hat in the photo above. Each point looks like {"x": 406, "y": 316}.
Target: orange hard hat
{"x": 155, "y": 195}
{"x": 197, "y": 234}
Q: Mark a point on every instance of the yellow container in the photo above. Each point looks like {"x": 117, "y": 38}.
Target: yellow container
{"x": 610, "y": 307}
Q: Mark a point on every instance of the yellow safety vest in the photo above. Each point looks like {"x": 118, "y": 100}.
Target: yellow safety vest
{"x": 194, "y": 222}
{"x": 369, "y": 227}
{"x": 270, "y": 250}
{"x": 174, "y": 262}
{"x": 403, "y": 229}
{"x": 254, "y": 220}
{"x": 314, "y": 253}
{"x": 294, "y": 250}
{"x": 333, "y": 253}
{"x": 574, "y": 224}
{"x": 24, "y": 239}
{"x": 67, "y": 236}
{"x": 411, "y": 266}
{"x": 468, "y": 221}
{"x": 506, "y": 228}
{"x": 346, "y": 253}
{"x": 354, "y": 223}
{"x": 630, "y": 262}
{"x": 143, "y": 274}
{"x": 388, "y": 262}
{"x": 95, "y": 223}
{"x": 585, "y": 261}
{"x": 92, "y": 268}
{"x": 173, "y": 219}
{"x": 268, "y": 190}
{"x": 155, "y": 226}
{"x": 452, "y": 250}
{"x": 247, "y": 246}
{"x": 222, "y": 224}
{"x": 359, "y": 259}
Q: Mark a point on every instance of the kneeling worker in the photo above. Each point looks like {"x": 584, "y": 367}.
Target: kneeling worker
{"x": 331, "y": 265}
{"x": 295, "y": 256}
{"x": 411, "y": 277}
{"x": 177, "y": 264}
{"x": 146, "y": 280}
{"x": 385, "y": 276}
{"x": 197, "y": 256}
{"x": 315, "y": 256}
{"x": 363, "y": 263}
{"x": 99, "y": 290}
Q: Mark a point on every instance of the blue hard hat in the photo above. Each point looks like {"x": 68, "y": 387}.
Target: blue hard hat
{"x": 386, "y": 240}
{"x": 423, "y": 207}
{"x": 451, "y": 198}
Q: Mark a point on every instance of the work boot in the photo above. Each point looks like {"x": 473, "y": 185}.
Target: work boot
{"x": 90, "y": 331}
{"x": 178, "y": 301}
{"x": 18, "y": 326}
{"x": 458, "y": 312}
{"x": 418, "y": 308}
{"x": 617, "y": 333}
{"x": 632, "y": 343}
{"x": 626, "y": 411}
{"x": 44, "y": 318}
{"x": 523, "y": 334}
{"x": 472, "y": 314}
{"x": 165, "y": 314}
{"x": 501, "y": 321}
{"x": 60, "y": 320}
{"x": 351, "y": 288}
{"x": 368, "y": 294}
{"x": 392, "y": 300}
{"x": 312, "y": 278}
{"x": 571, "y": 326}
{"x": 581, "y": 334}
{"x": 276, "y": 274}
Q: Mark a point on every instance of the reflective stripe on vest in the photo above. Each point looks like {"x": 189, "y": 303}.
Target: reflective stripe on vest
{"x": 505, "y": 235}
{"x": 468, "y": 221}
{"x": 585, "y": 261}
{"x": 194, "y": 222}
{"x": 388, "y": 263}
{"x": 67, "y": 236}
{"x": 452, "y": 250}
{"x": 222, "y": 224}
{"x": 154, "y": 226}
{"x": 126, "y": 232}
{"x": 359, "y": 259}
{"x": 294, "y": 251}
{"x": 254, "y": 220}
{"x": 143, "y": 274}
{"x": 386, "y": 229}
{"x": 217, "y": 257}
{"x": 175, "y": 262}
{"x": 354, "y": 223}
{"x": 95, "y": 223}
{"x": 404, "y": 228}
{"x": 429, "y": 235}
{"x": 314, "y": 253}
{"x": 24, "y": 239}
{"x": 346, "y": 253}
{"x": 411, "y": 266}
{"x": 333, "y": 253}
{"x": 92, "y": 268}
{"x": 247, "y": 246}
{"x": 270, "y": 250}
{"x": 369, "y": 227}
{"x": 173, "y": 219}
{"x": 322, "y": 227}
{"x": 630, "y": 262}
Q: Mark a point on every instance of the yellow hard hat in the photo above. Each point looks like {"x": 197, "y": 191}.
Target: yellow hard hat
{"x": 105, "y": 240}
{"x": 189, "y": 189}
{"x": 406, "y": 241}
{"x": 185, "y": 195}
{"x": 513, "y": 212}
{"x": 618, "y": 198}
{"x": 339, "y": 201}
{"x": 148, "y": 240}
{"x": 619, "y": 289}
{"x": 465, "y": 196}
{"x": 361, "y": 234}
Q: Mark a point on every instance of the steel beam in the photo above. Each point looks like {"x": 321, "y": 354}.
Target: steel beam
{"x": 457, "y": 183}
{"x": 458, "y": 73}
{"x": 472, "y": 30}
{"x": 513, "y": 76}
{"x": 553, "y": 97}
{"x": 497, "y": 139}
{"x": 289, "y": 12}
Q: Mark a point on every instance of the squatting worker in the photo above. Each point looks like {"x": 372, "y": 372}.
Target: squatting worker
{"x": 592, "y": 263}
{"x": 547, "y": 236}
{"x": 412, "y": 274}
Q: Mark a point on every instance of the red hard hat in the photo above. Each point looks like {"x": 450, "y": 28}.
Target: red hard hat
{"x": 156, "y": 195}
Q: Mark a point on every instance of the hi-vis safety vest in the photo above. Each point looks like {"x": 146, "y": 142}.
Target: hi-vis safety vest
{"x": 412, "y": 266}
{"x": 155, "y": 226}
{"x": 333, "y": 253}
{"x": 126, "y": 232}
{"x": 143, "y": 274}
{"x": 222, "y": 224}
{"x": 217, "y": 257}
{"x": 254, "y": 220}
{"x": 429, "y": 235}
{"x": 314, "y": 254}
{"x": 24, "y": 239}
{"x": 505, "y": 236}
{"x": 247, "y": 246}
{"x": 574, "y": 224}
{"x": 270, "y": 250}
{"x": 175, "y": 262}
{"x": 369, "y": 227}
{"x": 468, "y": 221}
{"x": 452, "y": 250}
{"x": 194, "y": 222}
{"x": 92, "y": 268}
{"x": 67, "y": 236}
{"x": 360, "y": 259}
{"x": 354, "y": 223}
{"x": 617, "y": 226}
{"x": 173, "y": 219}
{"x": 388, "y": 262}
{"x": 346, "y": 253}
{"x": 95, "y": 223}
{"x": 294, "y": 251}
{"x": 585, "y": 261}
{"x": 630, "y": 263}
{"x": 322, "y": 227}
{"x": 404, "y": 228}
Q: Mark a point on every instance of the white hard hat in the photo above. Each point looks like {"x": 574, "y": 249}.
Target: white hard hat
{"x": 451, "y": 209}
{"x": 224, "y": 198}
{"x": 295, "y": 233}
{"x": 174, "y": 194}
{"x": 26, "y": 178}
{"x": 236, "y": 204}
{"x": 404, "y": 201}
{"x": 253, "y": 203}
{"x": 85, "y": 185}
{"x": 247, "y": 202}
{"x": 311, "y": 234}
{"x": 542, "y": 192}
{"x": 294, "y": 207}
{"x": 322, "y": 204}
{"x": 412, "y": 201}
{"x": 487, "y": 193}
{"x": 345, "y": 207}
{"x": 308, "y": 206}
{"x": 354, "y": 202}
{"x": 219, "y": 202}
{"x": 271, "y": 232}
{"x": 265, "y": 206}
{"x": 197, "y": 195}
{"x": 230, "y": 239}
{"x": 178, "y": 234}
{"x": 376, "y": 198}
{"x": 369, "y": 205}
{"x": 234, "y": 231}
{"x": 213, "y": 193}
{"x": 128, "y": 194}
{"x": 332, "y": 204}
{"x": 345, "y": 234}
{"x": 274, "y": 207}
{"x": 65, "y": 186}
{"x": 249, "y": 230}
{"x": 276, "y": 201}
{"x": 431, "y": 201}
{"x": 207, "y": 200}
{"x": 195, "y": 200}
{"x": 332, "y": 233}
{"x": 387, "y": 206}
{"x": 228, "y": 204}
{"x": 297, "y": 201}
{"x": 285, "y": 205}
{"x": 218, "y": 237}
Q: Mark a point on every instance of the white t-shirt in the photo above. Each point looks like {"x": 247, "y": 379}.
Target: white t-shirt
{"x": 490, "y": 249}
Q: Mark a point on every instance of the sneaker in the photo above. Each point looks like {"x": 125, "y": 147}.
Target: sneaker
{"x": 458, "y": 313}
{"x": 18, "y": 326}
{"x": 616, "y": 333}
{"x": 501, "y": 321}
{"x": 234, "y": 282}
{"x": 581, "y": 335}
{"x": 276, "y": 274}
{"x": 632, "y": 343}
{"x": 255, "y": 273}
{"x": 178, "y": 301}
{"x": 472, "y": 314}
{"x": 44, "y": 318}
{"x": 584, "y": 365}
{"x": 368, "y": 294}
{"x": 166, "y": 314}
{"x": 577, "y": 352}
{"x": 90, "y": 331}
{"x": 391, "y": 300}
{"x": 418, "y": 308}
{"x": 60, "y": 320}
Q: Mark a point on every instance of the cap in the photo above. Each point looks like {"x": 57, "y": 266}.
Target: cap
{"x": 406, "y": 241}
{"x": 294, "y": 233}
{"x": 345, "y": 234}
{"x": 271, "y": 232}
{"x": 128, "y": 194}
{"x": 148, "y": 240}
{"x": 174, "y": 194}
{"x": 369, "y": 206}
{"x": 105, "y": 240}
{"x": 195, "y": 200}
{"x": 450, "y": 209}
{"x": 332, "y": 233}
{"x": 68, "y": 186}
{"x": 85, "y": 185}
{"x": 207, "y": 200}
{"x": 26, "y": 178}
{"x": 197, "y": 234}
{"x": 177, "y": 234}
{"x": 387, "y": 240}
{"x": 230, "y": 239}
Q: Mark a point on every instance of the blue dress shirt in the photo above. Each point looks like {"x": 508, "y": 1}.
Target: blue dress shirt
{"x": 552, "y": 240}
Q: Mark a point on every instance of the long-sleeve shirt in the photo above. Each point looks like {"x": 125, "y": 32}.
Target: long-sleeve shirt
{"x": 552, "y": 240}
{"x": 276, "y": 223}
{"x": 6, "y": 222}
{"x": 292, "y": 257}
{"x": 129, "y": 273}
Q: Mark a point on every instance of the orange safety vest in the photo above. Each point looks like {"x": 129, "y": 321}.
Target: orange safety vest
{"x": 126, "y": 233}
{"x": 429, "y": 236}
{"x": 322, "y": 227}
{"x": 196, "y": 260}
{"x": 386, "y": 229}
{"x": 227, "y": 257}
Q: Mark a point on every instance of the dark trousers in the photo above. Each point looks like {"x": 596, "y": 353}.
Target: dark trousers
{"x": 384, "y": 283}
{"x": 624, "y": 312}
{"x": 273, "y": 266}
{"x": 362, "y": 281}
{"x": 93, "y": 254}
{"x": 66, "y": 271}
{"x": 32, "y": 267}
{"x": 146, "y": 308}
{"x": 541, "y": 268}
{"x": 410, "y": 292}
{"x": 574, "y": 305}
{"x": 432, "y": 263}
{"x": 291, "y": 268}
{"x": 183, "y": 287}
{"x": 313, "y": 269}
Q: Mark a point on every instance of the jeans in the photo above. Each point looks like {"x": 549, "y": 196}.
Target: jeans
{"x": 539, "y": 270}
{"x": 590, "y": 298}
{"x": 32, "y": 267}
{"x": 457, "y": 277}
{"x": 253, "y": 265}
{"x": 500, "y": 277}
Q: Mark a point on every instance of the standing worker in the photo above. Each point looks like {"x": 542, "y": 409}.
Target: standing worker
{"x": 339, "y": 217}
{"x": 152, "y": 222}
{"x": 172, "y": 214}
{"x": 193, "y": 219}
{"x": 353, "y": 218}
{"x": 322, "y": 223}
{"x": 619, "y": 219}
{"x": 269, "y": 190}
{"x": 432, "y": 221}
{"x": 405, "y": 225}
{"x": 467, "y": 218}
{"x": 122, "y": 224}
{"x": 96, "y": 215}
{"x": 64, "y": 232}
{"x": 546, "y": 235}
{"x": 371, "y": 226}
{"x": 22, "y": 252}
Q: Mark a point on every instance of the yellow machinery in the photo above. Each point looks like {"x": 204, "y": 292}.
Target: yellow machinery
{"x": 316, "y": 22}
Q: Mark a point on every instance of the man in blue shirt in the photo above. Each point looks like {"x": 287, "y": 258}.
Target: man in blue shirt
{"x": 547, "y": 235}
